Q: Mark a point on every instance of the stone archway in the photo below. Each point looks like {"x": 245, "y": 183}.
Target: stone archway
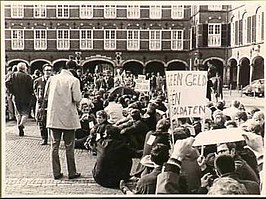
{"x": 12, "y": 63}
{"x": 58, "y": 64}
{"x": 155, "y": 67}
{"x": 176, "y": 65}
{"x": 37, "y": 65}
{"x": 244, "y": 72}
{"x": 232, "y": 67}
{"x": 216, "y": 65}
{"x": 98, "y": 66}
{"x": 136, "y": 68}
{"x": 258, "y": 68}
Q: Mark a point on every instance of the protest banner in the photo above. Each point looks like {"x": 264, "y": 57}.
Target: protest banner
{"x": 186, "y": 92}
{"x": 142, "y": 85}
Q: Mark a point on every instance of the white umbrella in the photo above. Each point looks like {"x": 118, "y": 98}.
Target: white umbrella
{"x": 217, "y": 136}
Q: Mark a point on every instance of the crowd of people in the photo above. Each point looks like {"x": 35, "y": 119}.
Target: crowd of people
{"x": 117, "y": 128}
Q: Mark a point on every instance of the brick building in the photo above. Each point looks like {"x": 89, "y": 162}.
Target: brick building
{"x": 140, "y": 36}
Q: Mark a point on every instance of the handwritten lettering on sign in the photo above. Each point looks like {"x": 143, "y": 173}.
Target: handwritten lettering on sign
{"x": 142, "y": 85}
{"x": 186, "y": 92}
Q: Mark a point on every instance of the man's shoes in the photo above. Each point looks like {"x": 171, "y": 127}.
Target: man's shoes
{"x": 21, "y": 131}
{"x": 76, "y": 175}
{"x": 59, "y": 176}
{"x": 44, "y": 142}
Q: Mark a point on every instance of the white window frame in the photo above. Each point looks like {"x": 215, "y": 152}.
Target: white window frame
{"x": 155, "y": 43}
{"x": 65, "y": 41}
{"x": 17, "y": 43}
{"x": 214, "y": 35}
{"x": 233, "y": 34}
{"x": 190, "y": 38}
{"x": 244, "y": 29}
{"x": 17, "y": 11}
{"x": 39, "y": 11}
{"x": 86, "y": 11}
{"x": 41, "y": 42}
{"x": 134, "y": 42}
{"x": 258, "y": 25}
{"x": 133, "y": 11}
{"x": 110, "y": 43}
{"x": 110, "y": 11}
{"x": 177, "y": 12}
{"x": 155, "y": 11}
{"x": 86, "y": 43}
{"x": 215, "y": 7}
{"x": 176, "y": 42}
{"x": 64, "y": 8}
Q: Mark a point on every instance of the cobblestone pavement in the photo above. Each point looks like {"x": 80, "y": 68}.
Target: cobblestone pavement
{"x": 26, "y": 165}
{"x": 27, "y": 170}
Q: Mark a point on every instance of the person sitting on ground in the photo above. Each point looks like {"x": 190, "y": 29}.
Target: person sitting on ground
{"x": 147, "y": 183}
{"x": 240, "y": 118}
{"x": 225, "y": 167}
{"x": 220, "y": 105}
{"x": 230, "y": 124}
{"x": 97, "y": 102}
{"x": 87, "y": 121}
{"x": 227, "y": 186}
{"x": 258, "y": 119}
{"x": 252, "y": 111}
{"x": 197, "y": 125}
{"x": 244, "y": 171}
{"x": 168, "y": 180}
{"x": 248, "y": 155}
{"x": 232, "y": 110}
{"x": 114, "y": 159}
{"x": 150, "y": 116}
{"x": 135, "y": 134}
{"x": 114, "y": 110}
{"x": 218, "y": 120}
{"x": 159, "y": 101}
{"x": 97, "y": 132}
{"x": 185, "y": 123}
{"x": 152, "y": 138}
{"x": 255, "y": 143}
{"x": 190, "y": 170}
{"x": 127, "y": 120}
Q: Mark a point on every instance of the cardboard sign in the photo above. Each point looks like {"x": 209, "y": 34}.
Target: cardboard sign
{"x": 142, "y": 77}
{"x": 186, "y": 92}
{"x": 142, "y": 85}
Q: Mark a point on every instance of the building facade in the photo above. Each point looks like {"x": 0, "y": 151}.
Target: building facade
{"x": 140, "y": 36}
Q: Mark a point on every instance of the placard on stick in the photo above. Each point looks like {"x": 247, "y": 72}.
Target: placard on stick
{"x": 142, "y": 85}
{"x": 186, "y": 92}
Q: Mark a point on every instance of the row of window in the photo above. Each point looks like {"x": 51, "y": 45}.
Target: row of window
{"x": 248, "y": 30}
{"x": 133, "y": 39}
{"x": 86, "y": 39}
{"x": 86, "y": 11}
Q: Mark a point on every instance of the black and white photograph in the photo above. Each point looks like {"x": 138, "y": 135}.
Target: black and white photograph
{"x": 132, "y": 98}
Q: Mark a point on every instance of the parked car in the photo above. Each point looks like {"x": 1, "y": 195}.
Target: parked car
{"x": 256, "y": 87}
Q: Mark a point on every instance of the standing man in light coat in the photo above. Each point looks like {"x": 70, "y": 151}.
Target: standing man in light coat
{"x": 64, "y": 94}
